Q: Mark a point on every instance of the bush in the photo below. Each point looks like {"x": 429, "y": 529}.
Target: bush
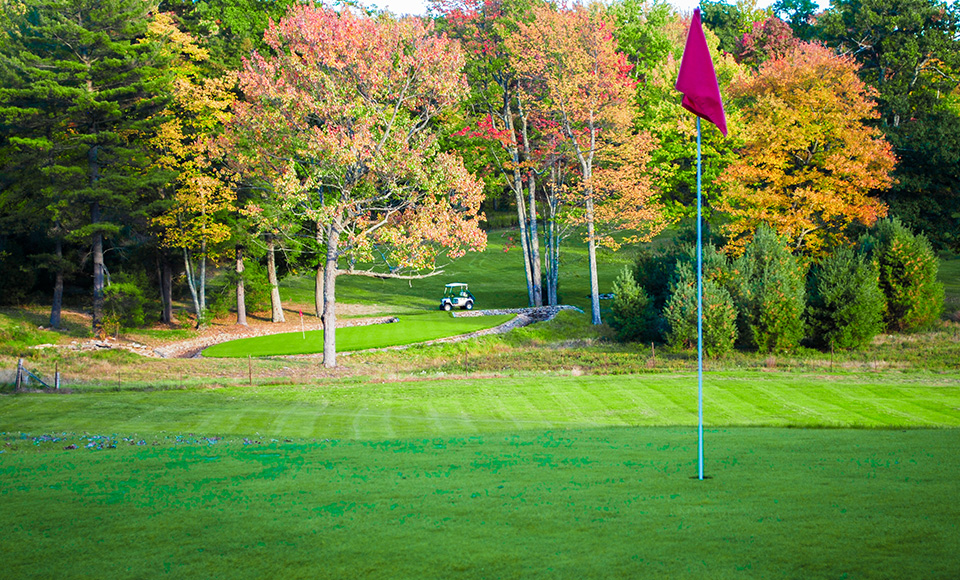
{"x": 770, "y": 295}
{"x": 633, "y": 316}
{"x": 123, "y": 305}
{"x": 654, "y": 272}
{"x": 845, "y": 305}
{"x": 719, "y": 314}
{"x": 908, "y": 275}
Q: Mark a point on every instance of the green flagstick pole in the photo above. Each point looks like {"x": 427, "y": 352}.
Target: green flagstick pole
{"x": 699, "y": 316}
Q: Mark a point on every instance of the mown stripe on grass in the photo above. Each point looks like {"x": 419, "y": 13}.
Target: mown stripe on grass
{"x": 443, "y": 407}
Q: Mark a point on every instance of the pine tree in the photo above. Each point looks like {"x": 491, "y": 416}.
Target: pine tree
{"x": 85, "y": 83}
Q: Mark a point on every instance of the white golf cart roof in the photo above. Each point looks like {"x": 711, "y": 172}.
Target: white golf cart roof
{"x": 454, "y": 284}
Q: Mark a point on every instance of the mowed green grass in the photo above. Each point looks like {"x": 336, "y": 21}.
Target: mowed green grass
{"x": 410, "y": 329}
{"x": 495, "y": 276}
{"x": 519, "y": 477}
{"x": 585, "y": 503}
{"x": 442, "y": 408}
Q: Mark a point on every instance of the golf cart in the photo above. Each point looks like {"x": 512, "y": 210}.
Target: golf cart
{"x": 456, "y": 294}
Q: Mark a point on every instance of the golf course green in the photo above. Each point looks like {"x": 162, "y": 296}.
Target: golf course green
{"x": 409, "y": 329}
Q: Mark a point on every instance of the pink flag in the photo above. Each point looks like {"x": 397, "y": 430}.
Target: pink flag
{"x": 697, "y": 80}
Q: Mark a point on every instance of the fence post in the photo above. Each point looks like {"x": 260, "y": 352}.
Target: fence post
{"x": 56, "y": 376}
{"x": 19, "y": 379}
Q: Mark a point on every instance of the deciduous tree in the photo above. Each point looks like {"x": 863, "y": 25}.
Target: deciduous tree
{"x": 200, "y": 193}
{"x": 810, "y": 162}
{"x": 573, "y": 73}
{"x": 337, "y": 122}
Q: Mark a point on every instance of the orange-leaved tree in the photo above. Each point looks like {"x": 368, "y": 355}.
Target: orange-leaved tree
{"x": 572, "y": 74}
{"x": 337, "y": 123}
{"x": 810, "y": 160}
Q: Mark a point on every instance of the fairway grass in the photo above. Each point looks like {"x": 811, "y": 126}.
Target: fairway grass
{"x": 519, "y": 477}
{"x": 435, "y": 407}
{"x": 583, "y": 504}
{"x": 409, "y": 329}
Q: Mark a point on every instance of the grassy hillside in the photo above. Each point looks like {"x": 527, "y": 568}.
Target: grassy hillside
{"x": 496, "y": 278}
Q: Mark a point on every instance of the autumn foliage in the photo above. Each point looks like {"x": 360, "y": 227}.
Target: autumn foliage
{"x": 579, "y": 84}
{"x": 337, "y": 122}
{"x": 809, "y": 163}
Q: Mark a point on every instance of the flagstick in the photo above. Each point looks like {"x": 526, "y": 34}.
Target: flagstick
{"x": 302, "y": 331}
{"x": 699, "y": 316}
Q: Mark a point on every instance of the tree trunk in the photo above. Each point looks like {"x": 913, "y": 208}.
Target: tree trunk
{"x": 97, "y": 247}
{"x": 518, "y": 195}
{"x": 276, "y": 308}
{"x": 592, "y": 253}
{"x": 318, "y": 281}
{"x": 533, "y": 248}
{"x": 329, "y": 299}
{"x": 535, "y": 271}
{"x": 56, "y": 307}
{"x": 192, "y": 285}
{"x": 241, "y": 291}
{"x": 203, "y": 278}
{"x": 166, "y": 290}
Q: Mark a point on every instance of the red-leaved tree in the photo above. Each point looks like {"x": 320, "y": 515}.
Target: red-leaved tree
{"x": 572, "y": 74}
{"x": 336, "y": 122}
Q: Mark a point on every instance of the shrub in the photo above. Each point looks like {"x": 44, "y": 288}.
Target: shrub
{"x": 770, "y": 295}
{"x": 123, "y": 304}
{"x": 633, "y": 316}
{"x": 908, "y": 275}
{"x": 845, "y": 305}
{"x": 654, "y": 272}
{"x": 719, "y": 314}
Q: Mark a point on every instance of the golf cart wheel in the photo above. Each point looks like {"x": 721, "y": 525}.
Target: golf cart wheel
{"x": 447, "y": 306}
{"x": 468, "y": 305}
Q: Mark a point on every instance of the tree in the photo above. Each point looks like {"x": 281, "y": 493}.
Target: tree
{"x": 809, "y": 163}
{"x": 730, "y": 21}
{"x": 771, "y": 38}
{"x": 908, "y": 275}
{"x": 574, "y": 75}
{"x": 909, "y": 51}
{"x": 768, "y": 289}
{"x": 659, "y": 112}
{"x": 496, "y": 114}
{"x": 633, "y": 316}
{"x": 87, "y": 80}
{"x": 337, "y": 123}
{"x": 799, "y": 14}
{"x": 845, "y": 305}
{"x": 184, "y": 143}
{"x": 719, "y": 312}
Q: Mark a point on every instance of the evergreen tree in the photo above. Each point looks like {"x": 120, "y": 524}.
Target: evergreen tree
{"x": 908, "y": 275}
{"x": 770, "y": 295}
{"x": 845, "y": 306}
{"x": 87, "y": 83}
{"x": 633, "y": 315}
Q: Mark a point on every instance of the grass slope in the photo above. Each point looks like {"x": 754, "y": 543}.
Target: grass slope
{"x": 596, "y": 503}
{"x": 410, "y": 329}
{"x": 495, "y": 276}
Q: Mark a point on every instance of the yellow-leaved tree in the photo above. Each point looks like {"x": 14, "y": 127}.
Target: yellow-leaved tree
{"x": 200, "y": 195}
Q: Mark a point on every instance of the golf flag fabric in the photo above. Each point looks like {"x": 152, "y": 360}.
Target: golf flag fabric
{"x": 697, "y": 79}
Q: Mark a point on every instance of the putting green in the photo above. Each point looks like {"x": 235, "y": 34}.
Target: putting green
{"x": 410, "y": 329}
